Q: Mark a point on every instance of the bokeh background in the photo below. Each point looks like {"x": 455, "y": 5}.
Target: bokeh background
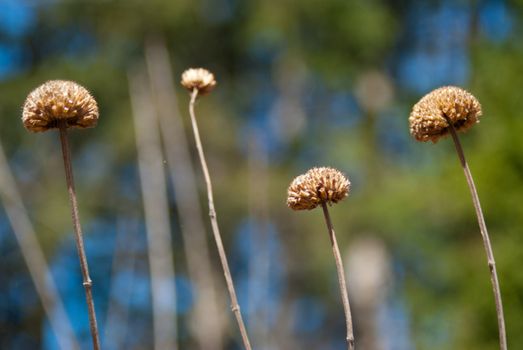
{"x": 301, "y": 83}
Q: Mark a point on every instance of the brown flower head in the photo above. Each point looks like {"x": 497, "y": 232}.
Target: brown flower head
{"x": 59, "y": 101}
{"x": 302, "y": 194}
{"x": 430, "y": 117}
{"x": 317, "y": 185}
{"x": 198, "y": 78}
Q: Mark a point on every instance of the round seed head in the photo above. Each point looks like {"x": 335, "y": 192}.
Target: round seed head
{"x": 317, "y": 185}
{"x": 430, "y": 117}
{"x": 302, "y": 194}
{"x": 198, "y": 78}
{"x": 331, "y": 185}
{"x": 59, "y": 101}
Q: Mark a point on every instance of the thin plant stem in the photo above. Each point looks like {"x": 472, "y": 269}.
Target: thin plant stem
{"x": 87, "y": 283}
{"x": 235, "y": 307}
{"x": 341, "y": 277}
{"x": 34, "y": 257}
{"x": 486, "y": 239}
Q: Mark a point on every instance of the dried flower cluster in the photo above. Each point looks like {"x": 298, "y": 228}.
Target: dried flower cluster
{"x": 430, "y": 117}
{"x": 56, "y": 101}
{"x": 317, "y": 185}
{"x": 198, "y": 78}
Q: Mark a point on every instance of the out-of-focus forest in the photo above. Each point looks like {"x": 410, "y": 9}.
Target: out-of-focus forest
{"x": 300, "y": 84}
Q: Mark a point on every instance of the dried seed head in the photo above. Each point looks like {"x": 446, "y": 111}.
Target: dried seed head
{"x": 331, "y": 185}
{"x": 57, "y": 101}
{"x": 430, "y": 117}
{"x": 198, "y": 78}
{"x": 317, "y": 185}
{"x": 302, "y": 194}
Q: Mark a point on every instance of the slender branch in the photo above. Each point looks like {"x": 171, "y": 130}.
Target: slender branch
{"x": 87, "y": 283}
{"x": 341, "y": 277}
{"x": 214, "y": 223}
{"x": 486, "y": 239}
{"x": 34, "y": 258}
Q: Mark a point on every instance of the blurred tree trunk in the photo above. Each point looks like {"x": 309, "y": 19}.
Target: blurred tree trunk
{"x": 154, "y": 193}
{"x": 207, "y": 323}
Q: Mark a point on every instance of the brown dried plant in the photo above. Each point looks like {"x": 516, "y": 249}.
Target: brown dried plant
{"x": 59, "y": 104}
{"x": 325, "y": 186}
{"x": 200, "y": 81}
{"x": 444, "y": 111}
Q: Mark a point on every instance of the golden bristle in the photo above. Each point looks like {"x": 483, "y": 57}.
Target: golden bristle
{"x": 430, "y": 117}
{"x": 317, "y": 185}
{"x": 198, "y": 78}
{"x": 59, "y": 101}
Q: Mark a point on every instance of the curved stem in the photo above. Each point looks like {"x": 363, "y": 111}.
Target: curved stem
{"x": 235, "y": 307}
{"x": 486, "y": 239}
{"x": 341, "y": 277}
{"x": 87, "y": 283}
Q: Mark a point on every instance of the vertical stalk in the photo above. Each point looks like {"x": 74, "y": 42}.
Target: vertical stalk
{"x": 34, "y": 258}
{"x": 485, "y": 236}
{"x": 214, "y": 223}
{"x": 87, "y": 283}
{"x": 260, "y": 258}
{"x": 207, "y": 324}
{"x": 156, "y": 210}
{"x": 124, "y": 258}
{"x": 341, "y": 276}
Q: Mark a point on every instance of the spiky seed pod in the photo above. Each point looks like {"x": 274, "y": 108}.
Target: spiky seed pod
{"x": 56, "y": 101}
{"x": 331, "y": 185}
{"x": 317, "y": 185}
{"x": 302, "y": 194}
{"x": 198, "y": 78}
{"x": 428, "y": 119}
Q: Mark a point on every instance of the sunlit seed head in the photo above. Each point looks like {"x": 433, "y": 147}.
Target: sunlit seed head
{"x": 58, "y": 101}
{"x": 301, "y": 194}
{"x": 316, "y": 186}
{"x": 198, "y": 78}
{"x": 430, "y": 117}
